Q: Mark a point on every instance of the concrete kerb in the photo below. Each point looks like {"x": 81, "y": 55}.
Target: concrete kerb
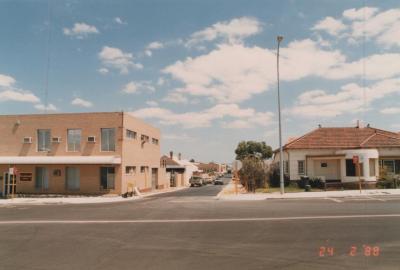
{"x": 227, "y": 194}
{"x": 80, "y": 199}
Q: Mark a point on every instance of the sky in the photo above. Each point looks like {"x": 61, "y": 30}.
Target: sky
{"x": 204, "y": 72}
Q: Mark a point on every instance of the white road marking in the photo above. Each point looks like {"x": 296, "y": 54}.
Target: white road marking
{"x": 190, "y": 201}
{"x": 133, "y": 221}
{"x": 375, "y": 198}
{"x": 334, "y": 199}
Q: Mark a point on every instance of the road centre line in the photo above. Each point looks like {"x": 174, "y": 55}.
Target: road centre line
{"x": 138, "y": 221}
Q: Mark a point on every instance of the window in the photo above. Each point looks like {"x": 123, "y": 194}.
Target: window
{"x": 300, "y": 166}
{"x": 41, "y": 178}
{"x": 130, "y": 169}
{"x": 154, "y": 141}
{"x": 72, "y": 178}
{"x": 143, "y": 169}
{"x": 391, "y": 166}
{"x": 372, "y": 167}
{"x": 286, "y": 167}
{"x": 107, "y": 177}
{"x": 107, "y": 139}
{"x": 74, "y": 140}
{"x": 144, "y": 138}
{"x": 131, "y": 134}
{"x": 44, "y": 140}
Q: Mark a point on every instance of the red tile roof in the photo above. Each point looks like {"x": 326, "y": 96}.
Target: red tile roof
{"x": 345, "y": 137}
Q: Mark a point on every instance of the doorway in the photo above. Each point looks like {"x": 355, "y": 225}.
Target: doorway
{"x": 9, "y": 184}
{"x": 154, "y": 178}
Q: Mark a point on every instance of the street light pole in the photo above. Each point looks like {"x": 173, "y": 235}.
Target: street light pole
{"x": 282, "y": 184}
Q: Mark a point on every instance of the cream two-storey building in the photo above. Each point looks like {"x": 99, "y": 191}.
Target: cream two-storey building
{"x": 79, "y": 153}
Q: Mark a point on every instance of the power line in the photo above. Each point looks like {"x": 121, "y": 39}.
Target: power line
{"x": 46, "y": 82}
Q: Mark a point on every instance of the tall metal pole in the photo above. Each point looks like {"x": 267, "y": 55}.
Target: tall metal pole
{"x": 282, "y": 183}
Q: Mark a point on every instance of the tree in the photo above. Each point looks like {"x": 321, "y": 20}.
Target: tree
{"x": 253, "y": 174}
{"x": 253, "y": 149}
{"x": 192, "y": 160}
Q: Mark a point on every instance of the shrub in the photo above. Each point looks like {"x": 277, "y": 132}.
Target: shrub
{"x": 274, "y": 176}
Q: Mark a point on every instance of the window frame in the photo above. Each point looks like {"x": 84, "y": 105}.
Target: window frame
{"x": 129, "y": 131}
{"x": 102, "y": 140}
{"x": 129, "y": 172}
{"x": 80, "y": 139}
{"x": 38, "y": 139}
{"x": 303, "y": 171}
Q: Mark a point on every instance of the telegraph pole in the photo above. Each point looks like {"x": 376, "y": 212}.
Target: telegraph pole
{"x": 282, "y": 183}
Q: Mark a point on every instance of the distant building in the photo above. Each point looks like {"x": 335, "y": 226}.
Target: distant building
{"x": 179, "y": 170}
{"x": 212, "y": 167}
{"x": 79, "y": 153}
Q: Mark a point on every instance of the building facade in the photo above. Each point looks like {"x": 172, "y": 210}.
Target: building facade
{"x": 79, "y": 153}
{"x": 330, "y": 154}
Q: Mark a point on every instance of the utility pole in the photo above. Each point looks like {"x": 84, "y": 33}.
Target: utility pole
{"x": 282, "y": 183}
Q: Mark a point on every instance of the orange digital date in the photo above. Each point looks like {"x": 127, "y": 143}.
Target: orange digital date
{"x": 365, "y": 250}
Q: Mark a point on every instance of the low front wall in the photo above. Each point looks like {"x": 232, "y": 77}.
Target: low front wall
{"x": 89, "y": 180}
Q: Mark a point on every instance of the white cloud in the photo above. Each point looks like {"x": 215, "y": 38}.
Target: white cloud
{"x": 234, "y": 73}
{"x": 359, "y": 14}
{"x": 117, "y": 59}
{"x": 351, "y": 98}
{"x": 160, "y": 81}
{"x": 9, "y": 93}
{"x": 377, "y": 66}
{"x": 103, "y": 71}
{"x": 383, "y": 26}
{"x": 152, "y": 103}
{"x": 119, "y": 20}
{"x": 330, "y": 25}
{"x": 177, "y": 137}
{"x": 391, "y": 110}
{"x": 6, "y": 80}
{"x": 136, "y": 87}
{"x": 231, "y": 31}
{"x": 206, "y": 117}
{"x": 19, "y": 96}
{"x": 174, "y": 97}
{"x": 80, "y": 30}
{"x": 369, "y": 23}
{"x": 156, "y": 45}
{"x": 81, "y": 103}
{"x": 42, "y": 107}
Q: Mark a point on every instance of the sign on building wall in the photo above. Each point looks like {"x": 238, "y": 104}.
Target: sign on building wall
{"x": 25, "y": 176}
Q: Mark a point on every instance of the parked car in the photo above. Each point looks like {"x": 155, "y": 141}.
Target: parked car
{"x": 196, "y": 181}
{"x": 218, "y": 182}
{"x": 207, "y": 180}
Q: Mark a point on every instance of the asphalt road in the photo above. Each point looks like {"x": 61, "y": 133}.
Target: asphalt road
{"x": 191, "y": 229}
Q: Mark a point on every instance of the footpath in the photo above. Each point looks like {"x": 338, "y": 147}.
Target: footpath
{"x": 59, "y": 199}
{"x": 229, "y": 194}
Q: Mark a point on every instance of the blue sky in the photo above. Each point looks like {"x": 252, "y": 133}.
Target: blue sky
{"x": 204, "y": 72}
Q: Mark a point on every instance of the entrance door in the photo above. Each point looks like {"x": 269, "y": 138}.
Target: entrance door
{"x": 42, "y": 178}
{"x": 154, "y": 178}
{"x": 9, "y": 184}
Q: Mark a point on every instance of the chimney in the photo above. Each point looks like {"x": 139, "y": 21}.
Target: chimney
{"x": 171, "y": 154}
{"x": 179, "y": 156}
{"x": 359, "y": 124}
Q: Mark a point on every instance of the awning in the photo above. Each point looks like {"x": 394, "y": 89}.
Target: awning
{"x": 13, "y": 160}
